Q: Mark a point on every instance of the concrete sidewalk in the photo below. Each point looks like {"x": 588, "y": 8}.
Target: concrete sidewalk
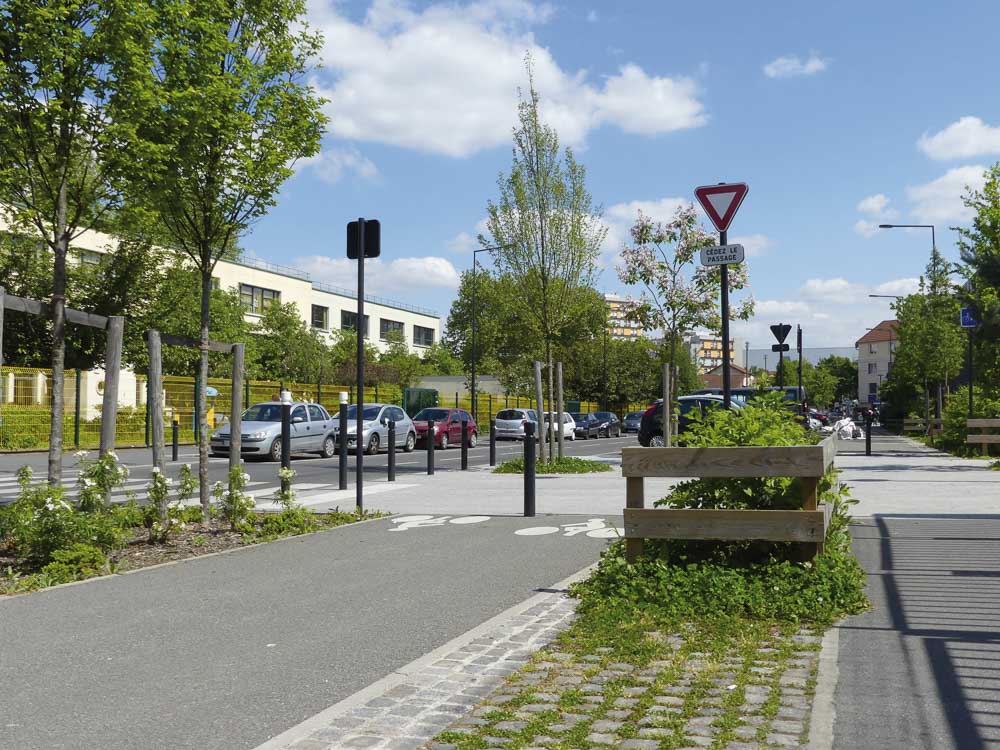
{"x": 921, "y": 669}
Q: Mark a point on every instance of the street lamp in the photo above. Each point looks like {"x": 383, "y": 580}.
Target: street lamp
{"x": 912, "y": 226}
{"x": 474, "y": 315}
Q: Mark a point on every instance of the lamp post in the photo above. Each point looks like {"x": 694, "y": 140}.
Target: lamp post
{"x": 912, "y": 226}
{"x": 475, "y": 283}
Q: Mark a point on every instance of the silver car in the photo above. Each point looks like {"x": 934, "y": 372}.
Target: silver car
{"x": 376, "y": 428}
{"x": 312, "y": 431}
{"x": 510, "y": 423}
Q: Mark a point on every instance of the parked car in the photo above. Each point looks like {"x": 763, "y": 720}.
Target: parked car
{"x": 312, "y": 431}
{"x": 631, "y": 421}
{"x": 823, "y": 418}
{"x": 587, "y": 425}
{"x": 651, "y": 425}
{"x": 375, "y": 428}
{"x": 610, "y": 424}
{"x": 447, "y": 426}
{"x": 511, "y": 422}
{"x": 568, "y": 425}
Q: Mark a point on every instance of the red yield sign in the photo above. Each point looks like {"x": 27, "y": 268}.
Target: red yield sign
{"x": 721, "y": 202}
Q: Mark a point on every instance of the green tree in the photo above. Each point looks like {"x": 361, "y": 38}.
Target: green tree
{"x": 59, "y": 154}
{"x": 399, "y": 365}
{"x": 288, "y": 350}
{"x": 224, "y": 112}
{"x": 438, "y": 359}
{"x": 820, "y": 383}
{"x": 979, "y": 245}
{"x": 678, "y": 294}
{"x": 845, "y": 374}
{"x": 545, "y": 226}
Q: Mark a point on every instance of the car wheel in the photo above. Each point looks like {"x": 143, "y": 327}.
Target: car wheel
{"x": 444, "y": 441}
{"x": 275, "y": 452}
{"x": 372, "y": 444}
{"x": 411, "y": 443}
{"x": 473, "y": 440}
{"x": 656, "y": 441}
{"x": 329, "y": 447}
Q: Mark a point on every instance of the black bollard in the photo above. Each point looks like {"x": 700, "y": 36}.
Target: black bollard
{"x": 465, "y": 444}
{"x": 175, "y": 429}
{"x": 529, "y": 469}
{"x": 430, "y": 446}
{"x": 493, "y": 442}
{"x": 392, "y": 450}
{"x": 286, "y": 440}
{"x": 868, "y": 434}
{"x": 342, "y": 446}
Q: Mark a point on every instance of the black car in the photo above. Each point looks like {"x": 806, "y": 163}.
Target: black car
{"x": 651, "y": 425}
{"x": 632, "y": 420}
{"x": 587, "y": 425}
{"x": 610, "y": 424}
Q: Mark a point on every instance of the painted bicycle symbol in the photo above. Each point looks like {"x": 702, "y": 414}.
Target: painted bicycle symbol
{"x": 595, "y": 528}
{"x": 422, "y": 522}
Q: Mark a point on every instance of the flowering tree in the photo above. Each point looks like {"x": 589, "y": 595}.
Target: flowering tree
{"x": 677, "y": 293}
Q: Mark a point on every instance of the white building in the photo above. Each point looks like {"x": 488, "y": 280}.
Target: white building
{"x": 875, "y": 355}
{"x": 620, "y": 325}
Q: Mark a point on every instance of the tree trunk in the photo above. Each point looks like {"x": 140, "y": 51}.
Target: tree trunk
{"x": 58, "y": 341}
{"x": 556, "y": 418}
{"x": 203, "y": 431}
{"x": 540, "y": 408}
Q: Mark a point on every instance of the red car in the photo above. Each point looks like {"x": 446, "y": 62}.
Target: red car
{"x": 447, "y": 426}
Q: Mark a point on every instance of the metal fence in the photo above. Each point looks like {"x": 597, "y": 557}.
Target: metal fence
{"x": 25, "y": 411}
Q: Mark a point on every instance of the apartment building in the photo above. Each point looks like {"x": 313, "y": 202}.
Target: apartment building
{"x": 875, "y": 355}
{"x": 706, "y": 350}
{"x": 321, "y": 306}
{"x": 620, "y": 326}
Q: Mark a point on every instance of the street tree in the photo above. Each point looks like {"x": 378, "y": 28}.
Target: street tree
{"x": 288, "y": 350}
{"x": 677, "y": 294}
{"x": 399, "y": 365}
{"x": 226, "y": 111}
{"x": 545, "y": 225}
{"x": 438, "y": 359}
{"x": 60, "y": 157}
{"x": 845, "y": 374}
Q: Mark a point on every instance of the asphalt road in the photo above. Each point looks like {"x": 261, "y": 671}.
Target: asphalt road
{"x": 311, "y": 470}
{"x": 225, "y": 652}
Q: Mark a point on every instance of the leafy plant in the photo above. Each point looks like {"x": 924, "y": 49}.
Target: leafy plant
{"x": 565, "y": 465}
{"x": 236, "y": 505}
{"x": 74, "y": 563}
{"x": 98, "y": 478}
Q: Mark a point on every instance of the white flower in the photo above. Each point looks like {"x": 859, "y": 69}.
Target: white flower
{"x": 85, "y": 482}
{"x": 188, "y": 466}
{"x": 112, "y": 454}
{"x": 81, "y": 454}
{"x": 156, "y": 469}
{"x": 246, "y": 477}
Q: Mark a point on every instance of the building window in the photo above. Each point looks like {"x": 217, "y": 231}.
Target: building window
{"x": 256, "y": 299}
{"x": 871, "y": 348}
{"x": 873, "y": 387}
{"x": 349, "y": 321}
{"x": 90, "y": 258}
{"x": 386, "y": 326}
{"x": 320, "y": 317}
{"x": 423, "y": 336}
{"x": 216, "y": 284}
{"x": 872, "y": 367}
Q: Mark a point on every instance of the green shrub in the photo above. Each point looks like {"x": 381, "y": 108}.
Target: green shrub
{"x": 74, "y": 563}
{"x": 235, "y": 504}
{"x": 566, "y": 465}
{"x": 956, "y": 411}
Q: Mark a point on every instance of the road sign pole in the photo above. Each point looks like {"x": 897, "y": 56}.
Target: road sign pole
{"x": 970, "y": 373}
{"x": 360, "y": 325}
{"x": 727, "y": 376}
{"x": 799, "y": 345}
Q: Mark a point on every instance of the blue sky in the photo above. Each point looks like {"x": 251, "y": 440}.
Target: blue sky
{"x": 838, "y": 118}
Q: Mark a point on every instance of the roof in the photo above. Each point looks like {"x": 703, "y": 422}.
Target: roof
{"x": 884, "y": 331}
{"x": 731, "y": 368}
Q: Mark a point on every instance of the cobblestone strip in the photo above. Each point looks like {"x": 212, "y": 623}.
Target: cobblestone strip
{"x": 427, "y": 700}
{"x": 752, "y": 698}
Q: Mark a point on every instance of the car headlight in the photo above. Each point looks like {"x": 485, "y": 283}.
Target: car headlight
{"x": 259, "y": 435}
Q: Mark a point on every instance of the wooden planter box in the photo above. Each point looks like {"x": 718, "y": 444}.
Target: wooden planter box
{"x": 808, "y": 525}
{"x": 983, "y": 438}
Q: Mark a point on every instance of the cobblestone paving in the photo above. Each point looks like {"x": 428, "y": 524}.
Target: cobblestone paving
{"x": 751, "y": 698}
{"x": 430, "y": 699}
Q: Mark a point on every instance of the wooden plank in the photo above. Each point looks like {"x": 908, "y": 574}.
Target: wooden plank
{"x": 170, "y": 339}
{"x": 779, "y": 461}
{"x": 810, "y": 493}
{"x": 91, "y": 320}
{"x": 982, "y": 423}
{"x": 983, "y": 439}
{"x": 635, "y": 499}
{"x": 25, "y": 305}
{"x": 726, "y": 525}
{"x": 829, "y": 446}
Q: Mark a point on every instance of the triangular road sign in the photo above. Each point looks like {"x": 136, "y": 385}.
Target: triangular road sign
{"x": 781, "y": 331}
{"x": 721, "y": 202}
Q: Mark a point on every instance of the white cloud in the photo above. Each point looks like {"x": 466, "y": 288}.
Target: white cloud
{"x": 832, "y": 312}
{"x": 445, "y": 79}
{"x": 592, "y": 16}
{"x": 873, "y": 204}
{"x": 330, "y": 165}
{"x": 877, "y": 207}
{"x": 940, "y": 201}
{"x": 755, "y": 245}
{"x": 866, "y": 228}
{"x": 967, "y": 137}
{"x": 400, "y": 276}
{"x": 793, "y": 65}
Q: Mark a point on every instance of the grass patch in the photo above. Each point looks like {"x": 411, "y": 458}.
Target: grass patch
{"x": 567, "y": 465}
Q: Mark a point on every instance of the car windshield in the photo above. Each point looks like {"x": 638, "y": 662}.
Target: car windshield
{"x": 634, "y": 415}
{"x": 263, "y": 413}
{"x": 577, "y": 417}
{"x": 425, "y": 415}
{"x": 603, "y": 415}
{"x": 510, "y": 414}
{"x": 370, "y": 412}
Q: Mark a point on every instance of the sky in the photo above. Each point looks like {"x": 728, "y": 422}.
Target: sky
{"x": 839, "y": 117}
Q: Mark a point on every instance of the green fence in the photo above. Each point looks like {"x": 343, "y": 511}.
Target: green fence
{"x": 25, "y": 411}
